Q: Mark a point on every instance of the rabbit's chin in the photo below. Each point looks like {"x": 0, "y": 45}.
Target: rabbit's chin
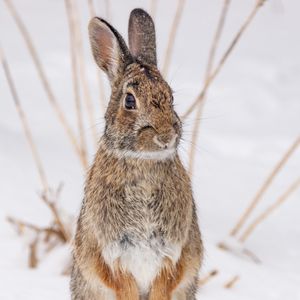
{"x": 146, "y": 155}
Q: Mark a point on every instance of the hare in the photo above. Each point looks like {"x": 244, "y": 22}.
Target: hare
{"x": 137, "y": 234}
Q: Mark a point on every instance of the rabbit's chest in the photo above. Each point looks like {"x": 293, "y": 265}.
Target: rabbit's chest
{"x": 143, "y": 244}
{"x": 141, "y": 258}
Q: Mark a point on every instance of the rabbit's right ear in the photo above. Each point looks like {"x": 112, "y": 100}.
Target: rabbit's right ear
{"x": 141, "y": 34}
{"x": 108, "y": 47}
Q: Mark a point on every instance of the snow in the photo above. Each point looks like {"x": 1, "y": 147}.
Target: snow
{"x": 251, "y": 118}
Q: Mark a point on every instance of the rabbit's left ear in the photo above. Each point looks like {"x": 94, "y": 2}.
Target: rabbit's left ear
{"x": 141, "y": 34}
{"x": 109, "y": 49}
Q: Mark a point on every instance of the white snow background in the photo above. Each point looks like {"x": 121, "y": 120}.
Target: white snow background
{"x": 251, "y": 117}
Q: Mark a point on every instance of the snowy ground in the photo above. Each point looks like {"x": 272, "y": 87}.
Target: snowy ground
{"x": 252, "y": 116}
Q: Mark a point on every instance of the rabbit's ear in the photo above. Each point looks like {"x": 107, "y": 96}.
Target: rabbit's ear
{"x": 141, "y": 34}
{"x": 108, "y": 47}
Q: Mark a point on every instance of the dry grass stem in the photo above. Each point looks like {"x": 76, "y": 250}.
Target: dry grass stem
{"x": 240, "y": 252}
{"x": 231, "y": 282}
{"x": 56, "y": 215}
{"x": 204, "y": 280}
{"x": 292, "y": 188}
{"x": 52, "y": 99}
{"x": 153, "y": 8}
{"x": 76, "y": 87}
{"x": 99, "y": 77}
{"x": 92, "y": 9}
{"x": 265, "y": 186}
{"x": 209, "y": 66}
{"x": 26, "y": 128}
{"x": 20, "y": 226}
{"x": 172, "y": 36}
{"x": 223, "y": 59}
{"x": 82, "y": 72}
{"x": 33, "y": 260}
{"x": 108, "y": 10}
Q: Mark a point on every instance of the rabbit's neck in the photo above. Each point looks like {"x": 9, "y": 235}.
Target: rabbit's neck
{"x": 139, "y": 158}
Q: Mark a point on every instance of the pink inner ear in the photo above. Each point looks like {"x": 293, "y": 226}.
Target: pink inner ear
{"x": 135, "y": 40}
{"x": 103, "y": 43}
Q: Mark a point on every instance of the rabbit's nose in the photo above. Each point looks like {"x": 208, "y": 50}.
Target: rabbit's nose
{"x": 165, "y": 141}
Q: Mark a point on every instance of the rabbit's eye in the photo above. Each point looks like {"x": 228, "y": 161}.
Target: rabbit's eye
{"x": 130, "y": 102}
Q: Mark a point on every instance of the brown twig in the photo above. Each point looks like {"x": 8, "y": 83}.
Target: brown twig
{"x": 92, "y": 9}
{"x": 223, "y": 59}
{"x": 57, "y": 218}
{"x": 240, "y": 252}
{"x": 82, "y": 72}
{"x": 265, "y": 186}
{"x": 108, "y": 10}
{"x": 231, "y": 282}
{"x": 172, "y": 36}
{"x": 202, "y": 281}
{"x": 52, "y": 99}
{"x": 76, "y": 88}
{"x": 21, "y": 225}
{"x": 33, "y": 260}
{"x": 209, "y": 66}
{"x": 100, "y": 79}
{"x": 26, "y": 127}
{"x": 153, "y": 8}
{"x": 292, "y": 188}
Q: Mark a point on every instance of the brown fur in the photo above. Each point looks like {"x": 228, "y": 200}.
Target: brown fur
{"x": 127, "y": 193}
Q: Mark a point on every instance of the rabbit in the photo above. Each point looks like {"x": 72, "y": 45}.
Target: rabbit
{"x": 137, "y": 234}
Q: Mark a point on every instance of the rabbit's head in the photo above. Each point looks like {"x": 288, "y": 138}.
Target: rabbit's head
{"x": 140, "y": 118}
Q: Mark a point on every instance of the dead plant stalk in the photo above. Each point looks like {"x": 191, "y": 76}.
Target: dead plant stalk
{"x": 172, "y": 36}
{"x": 82, "y": 71}
{"x": 57, "y": 219}
{"x": 20, "y": 225}
{"x": 204, "y": 280}
{"x": 92, "y": 11}
{"x": 209, "y": 66}
{"x": 265, "y": 186}
{"x": 76, "y": 87}
{"x": 292, "y": 188}
{"x": 52, "y": 99}
{"x": 25, "y": 124}
{"x": 153, "y": 8}
{"x": 223, "y": 59}
{"x": 108, "y": 10}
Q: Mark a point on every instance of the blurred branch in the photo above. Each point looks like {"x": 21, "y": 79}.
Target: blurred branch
{"x": 292, "y": 188}
{"x": 100, "y": 79}
{"x": 33, "y": 260}
{"x": 172, "y": 36}
{"x": 240, "y": 251}
{"x": 223, "y": 59}
{"x": 82, "y": 71}
{"x": 265, "y": 186}
{"x": 59, "y": 112}
{"x": 57, "y": 218}
{"x": 108, "y": 13}
{"x": 25, "y": 125}
{"x": 21, "y": 225}
{"x": 153, "y": 8}
{"x": 76, "y": 87}
{"x": 231, "y": 282}
{"x": 209, "y": 66}
{"x": 204, "y": 280}
{"x": 92, "y": 9}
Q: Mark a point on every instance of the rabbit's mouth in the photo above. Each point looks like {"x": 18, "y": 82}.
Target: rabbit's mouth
{"x": 151, "y": 140}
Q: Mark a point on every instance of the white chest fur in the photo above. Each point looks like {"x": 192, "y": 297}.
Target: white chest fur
{"x": 142, "y": 260}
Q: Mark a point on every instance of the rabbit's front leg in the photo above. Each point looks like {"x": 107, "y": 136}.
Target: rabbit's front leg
{"x": 121, "y": 282}
{"x": 126, "y": 287}
{"x": 167, "y": 280}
